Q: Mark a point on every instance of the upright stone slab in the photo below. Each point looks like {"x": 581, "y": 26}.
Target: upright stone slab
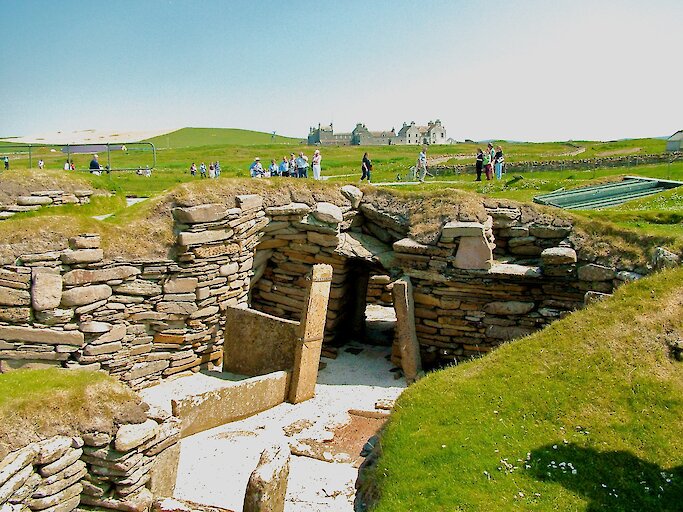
{"x": 408, "y": 344}
{"x": 474, "y": 253}
{"x": 267, "y": 486}
{"x": 46, "y": 290}
{"x": 312, "y": 328}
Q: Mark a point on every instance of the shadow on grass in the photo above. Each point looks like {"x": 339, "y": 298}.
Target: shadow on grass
{"x": 614, "y": 481}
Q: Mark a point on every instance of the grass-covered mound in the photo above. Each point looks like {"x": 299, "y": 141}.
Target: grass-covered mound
{"x": 584, "y": 415}
{"x": 36, "y": 404}
{"x": 196, "y": 137}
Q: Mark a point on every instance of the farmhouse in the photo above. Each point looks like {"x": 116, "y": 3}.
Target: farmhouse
{"x": 675, "y": 142}
{"x": 433, "y": 133}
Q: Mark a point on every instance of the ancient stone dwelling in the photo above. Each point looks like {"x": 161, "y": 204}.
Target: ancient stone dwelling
{"x": 234, "y": 293}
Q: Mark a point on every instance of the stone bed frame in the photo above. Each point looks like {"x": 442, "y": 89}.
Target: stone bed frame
{"x": 146, "y": 320}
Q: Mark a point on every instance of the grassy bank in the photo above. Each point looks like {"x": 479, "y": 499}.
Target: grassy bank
{"x": 584, "y": 415}
{"x": 35, "y": 404}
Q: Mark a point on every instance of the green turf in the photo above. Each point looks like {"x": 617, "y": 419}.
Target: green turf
{"x": 584, "y": 415}
{"x": 196, "y": 137}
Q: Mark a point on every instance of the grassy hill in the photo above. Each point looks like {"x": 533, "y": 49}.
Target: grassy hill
{"x": 196, "y": 137}
{"x": 584, "y": 415}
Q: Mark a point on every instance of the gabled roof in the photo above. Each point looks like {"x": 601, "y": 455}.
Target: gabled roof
{"x": 677, "y": 136}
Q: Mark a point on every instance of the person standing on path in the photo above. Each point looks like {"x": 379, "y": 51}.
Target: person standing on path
{"x": 498, "y": 160}
{"x": 317, "y": 159}
{"x": 273, "y": 169}
{"x": 202, "y": 170}
{"x": 193, "y": 169}
{"x": 292, "y": 166}
{"x": 6, "y": 161}
{"x": 422, "y": 164}
{"x": 217, "y": 168}
{"x": 479, "y": 163}
{"x": 366, "y": 167}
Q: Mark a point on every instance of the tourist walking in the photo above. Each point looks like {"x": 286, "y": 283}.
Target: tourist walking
{"x": 67, "y": 166}
{"x": 6, "y": 161}
{"x": 256, "y": 169}
{"x": 317, "y": 159}
{"x": 422, "y": 164}
{"x": 284, "y": 167}
{"x": 217, "y": 168}
{"x": 202, "y": 170}
{"x": 302, "y": 166}
{"x": 41, "y": 164}
{"x": 212, "y": 171}
{"x": 479, "y": 163}
{"x": 366, "y": 167}
{"x": 193, "y": 169}
{"x": 498, "y": 161}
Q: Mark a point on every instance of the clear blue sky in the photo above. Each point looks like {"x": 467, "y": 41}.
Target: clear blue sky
{"x": 524, "y": 70}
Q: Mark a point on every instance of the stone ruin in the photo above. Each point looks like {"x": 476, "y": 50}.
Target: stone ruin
{"x": 241, "y": 293}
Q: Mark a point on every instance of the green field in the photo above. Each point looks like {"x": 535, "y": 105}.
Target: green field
{"x": 197, "y": 137}
{"x": 584, "y": 415}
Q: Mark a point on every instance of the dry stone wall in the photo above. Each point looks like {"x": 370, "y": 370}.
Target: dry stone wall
{"x": 476, "y": 285}
{"x": 123, "y": 470}
{"x": 36, "y": 200}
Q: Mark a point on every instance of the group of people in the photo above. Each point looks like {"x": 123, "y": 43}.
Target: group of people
{"x": 490, "y": 161}
{"x": 214, "y": 170}
{"x": 292, "y": 167}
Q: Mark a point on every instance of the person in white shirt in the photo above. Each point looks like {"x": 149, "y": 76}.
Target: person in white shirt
{"x": 422, "y": 164}
{"x": 317, "y": 159}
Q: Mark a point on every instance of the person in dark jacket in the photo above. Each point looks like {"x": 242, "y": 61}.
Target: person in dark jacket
{"x": 366, "y": 167}
{"x": 479, "y": 164}
{"x": 94, "y": 164}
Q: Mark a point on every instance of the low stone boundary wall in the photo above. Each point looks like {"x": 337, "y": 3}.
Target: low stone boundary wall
{"x": 583, "y": 164}
{"x": 94, "y": 471}
{"x": 36, "y": 200}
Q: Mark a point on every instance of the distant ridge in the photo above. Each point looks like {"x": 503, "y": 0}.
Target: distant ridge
{"x": 196, "y": 137}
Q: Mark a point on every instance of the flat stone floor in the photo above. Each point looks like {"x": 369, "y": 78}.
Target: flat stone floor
{"x": 215, "y": 465}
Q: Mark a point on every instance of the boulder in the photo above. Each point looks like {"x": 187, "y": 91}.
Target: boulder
{"x": 82, "y": 295}
{"x": 328, "y": 213}
{"x": 663, "y": 258}
{"x": 46, "y": 291}
{"x": 353, "y": 194}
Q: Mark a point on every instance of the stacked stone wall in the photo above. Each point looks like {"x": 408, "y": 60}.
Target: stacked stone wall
{"x": 476, "y": 285}
{"x": 582, "y": 164}
{"x": 122, "y": 470}
{"x": 40, "y": 198}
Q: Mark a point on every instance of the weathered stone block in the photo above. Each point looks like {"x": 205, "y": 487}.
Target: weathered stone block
{"x": 82, "y": 295}
{"x": 177, "y": 308}
{"x": 353, "y": 194}
{"x": 46, "y": 291}
{"x": 249, "y": 201}
{"x": 594, "y": 272}
{"x": 33, "y": 200}
{"x": 81, "y": 276}
{"x": 71, "y": 257}
{"x": 328, "y": 213}
{"x": 181, "y": 285}
{"x": 15, "y": 315}
{"x": 94, "y": 327}
{"x": 86, "y": 241}
{"x": 139, "y": 287}
{"x": 509, "y": 308}
{"x": 558, "y": 256}
{"x": 14, "y": 297}
{"x": 473, "y": 253}
{"x": 201, "y": 213}
{"x": 267, "y": 486}
{"x": 46, "y": 336}
{"x": 455, "y": 229}
{"x": 133, "y": 435}
{"x": 204, "y": 237}
{"x": 549, "y": 231}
